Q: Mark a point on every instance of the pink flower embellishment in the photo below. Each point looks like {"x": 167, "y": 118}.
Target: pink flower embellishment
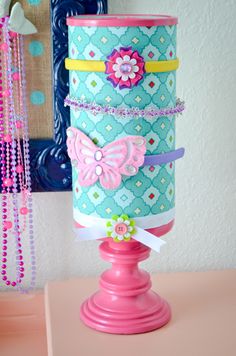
{"x": 124, "y": 67}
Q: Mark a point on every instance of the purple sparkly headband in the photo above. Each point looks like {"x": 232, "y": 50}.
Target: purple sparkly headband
{"x": 95, "y": 109}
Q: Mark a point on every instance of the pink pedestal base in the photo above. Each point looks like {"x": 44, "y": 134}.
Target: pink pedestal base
{"x": 125, "y": 304}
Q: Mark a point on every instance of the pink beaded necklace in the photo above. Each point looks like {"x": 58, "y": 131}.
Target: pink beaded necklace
{"x": 17, "y": 217}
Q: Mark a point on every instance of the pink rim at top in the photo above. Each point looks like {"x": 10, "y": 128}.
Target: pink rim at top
{"x": 122, "y": 20}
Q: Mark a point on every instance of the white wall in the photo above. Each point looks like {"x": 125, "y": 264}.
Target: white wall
{"x": 205, "y": 230}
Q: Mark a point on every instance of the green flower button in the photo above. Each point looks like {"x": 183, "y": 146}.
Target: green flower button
{"x": 120, "y": 228}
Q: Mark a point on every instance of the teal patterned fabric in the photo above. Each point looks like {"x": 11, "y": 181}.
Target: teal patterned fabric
{"x": 152, "y": 190}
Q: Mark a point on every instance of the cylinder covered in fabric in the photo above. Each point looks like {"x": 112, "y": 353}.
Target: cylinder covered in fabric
{"x": 128, "y": 82}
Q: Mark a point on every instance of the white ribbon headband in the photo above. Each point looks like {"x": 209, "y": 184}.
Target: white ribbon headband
{"x": 97, "y": 228}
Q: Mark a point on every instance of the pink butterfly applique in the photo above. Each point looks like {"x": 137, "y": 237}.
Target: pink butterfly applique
{"x": 107, "y": 164}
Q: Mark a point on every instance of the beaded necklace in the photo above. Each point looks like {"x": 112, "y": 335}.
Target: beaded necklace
{"x": 17, "y": 217}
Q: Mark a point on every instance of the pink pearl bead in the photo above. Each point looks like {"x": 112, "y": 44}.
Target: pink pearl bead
{"x": 3, "y": 273}
{"x": 4, "y": 260}
{"x": 19, "y": 168}
{"x": 4, "y": 254}
{"x": 8, "y": 283}
{"x": 4, "y": 278}
{"x": 19, "y": 124}
{"x": 7, "y": 225}
{"x": 13, "y": 284}
{"x": 13, "y": 34}
{"x": 21, "y": 263}
{"x": 16, "y": 76}
{"x": 6, "y": 93}
{"x": 8, "y": 138}
{"x": 24, "y": 211}
{"x": 21, "y": 275}
{"x": 4, "y": 47}
{"x": 8, "y": 182}
{"x": 4, "y": 266}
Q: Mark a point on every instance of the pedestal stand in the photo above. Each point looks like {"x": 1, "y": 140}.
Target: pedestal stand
{"x": 125, "y": 304}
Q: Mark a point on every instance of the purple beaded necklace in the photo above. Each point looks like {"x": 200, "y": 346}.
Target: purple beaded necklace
{"x": 17, "y": 217}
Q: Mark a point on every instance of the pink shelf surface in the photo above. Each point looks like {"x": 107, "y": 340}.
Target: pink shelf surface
{"x": 203, "y": 318}
{"x": 22, "y": 325}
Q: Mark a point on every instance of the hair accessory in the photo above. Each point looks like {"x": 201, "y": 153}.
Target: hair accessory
{"x": 108, "y": 164}
{"x": 163, "y": 158}
{"x": 96, "y": 109}
{"x": 121, "y": 228}
{"x": 100, "y": 66}
{"x": 17, "y": 216}
{"x": 125, "y": 67}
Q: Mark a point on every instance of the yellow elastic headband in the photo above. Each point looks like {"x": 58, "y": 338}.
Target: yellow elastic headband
{"x": 99, "y": 66}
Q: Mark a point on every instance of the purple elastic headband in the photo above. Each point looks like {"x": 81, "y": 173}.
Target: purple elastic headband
{"x": 163, "y": 158}
{"x": 95, "y": 109}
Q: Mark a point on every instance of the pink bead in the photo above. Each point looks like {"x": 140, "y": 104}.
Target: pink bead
{"x": 8, "y": 283}
{"x": 3, "y": 273}
{"x": 8, "y": 182}
{"x": 4, "y": 266}
{"x": 7, "y": 225}
{"x": 8, "y": 138}
{"x": 6, "y": 93}
{"x": 19, "y": 124}
{"x": 4, "y": 260}
{"x": 24, "y": 211}
{"x": 16, "y": 76}
{"x": 4, "y": 47}
{"x": 13, "y": 284}
{"x": 13, "y": 34}
{"x": 19, "y": 168}
{"x": 21, "y": 263}
{"x": 21, "y": 275}
{"x": 4, "y": 278}
{"x": 4, "y": 254}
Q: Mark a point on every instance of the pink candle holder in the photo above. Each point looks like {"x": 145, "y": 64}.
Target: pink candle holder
{"x": 125, "y": 303}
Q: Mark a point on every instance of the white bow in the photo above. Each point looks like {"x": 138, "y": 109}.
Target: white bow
{"x": 98, "y": 231}
{"x": 4, "y": 8}
{"x": 18, "y": 22}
